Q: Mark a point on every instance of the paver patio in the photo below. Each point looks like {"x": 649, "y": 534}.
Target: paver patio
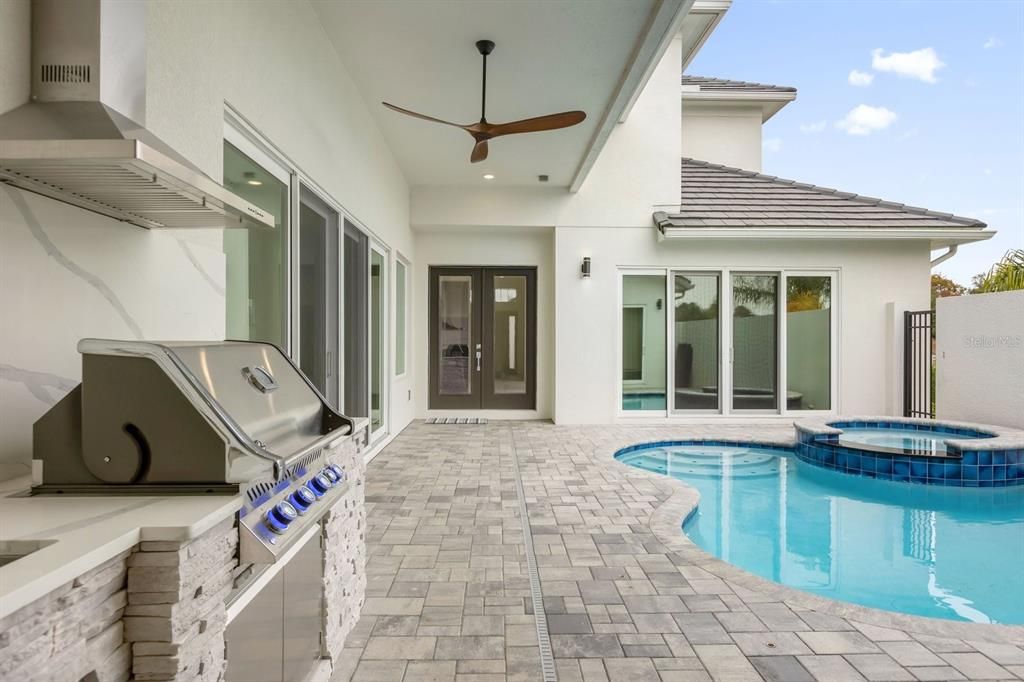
{"x": 626, "y": 597}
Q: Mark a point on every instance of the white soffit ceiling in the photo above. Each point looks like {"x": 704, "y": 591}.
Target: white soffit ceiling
{"x": 550, "y": 57}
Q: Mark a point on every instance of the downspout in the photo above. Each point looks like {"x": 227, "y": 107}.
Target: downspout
{"x": 946, "y": 256}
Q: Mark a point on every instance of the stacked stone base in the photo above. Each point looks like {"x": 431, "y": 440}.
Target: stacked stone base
{"x": 158, "y": 612}
{"x": 72, "y": 633}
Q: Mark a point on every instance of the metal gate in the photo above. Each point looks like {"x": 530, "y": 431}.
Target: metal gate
{"x": 917, "y": 364}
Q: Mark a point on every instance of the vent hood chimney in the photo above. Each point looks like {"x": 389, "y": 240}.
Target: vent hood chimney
{"x": 78, "y": 141}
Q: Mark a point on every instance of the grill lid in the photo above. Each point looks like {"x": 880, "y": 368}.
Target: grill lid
{"x": 205, "y": 415}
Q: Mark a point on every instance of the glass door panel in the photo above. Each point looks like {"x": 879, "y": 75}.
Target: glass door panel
{"x": 378, "y": 340}
{"x": 318, "y": 284}
{"x": 356, "y": 310}
{"x": 509, "y": 320}
{"x": 643, "y": 343}
{"x": 457, "y": 343}
{"x": 509, "y": 363}
{"x": 256, "y": 260}
{"x": 696, "y": 361}
{"x": 755, "y": 341}
{"x": 809, "y": 342}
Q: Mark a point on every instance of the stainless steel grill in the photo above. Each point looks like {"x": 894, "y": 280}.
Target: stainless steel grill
{"x": 197, "y": 418}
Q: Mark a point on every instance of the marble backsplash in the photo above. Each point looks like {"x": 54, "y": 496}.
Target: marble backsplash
{"x": 67, "y": 273}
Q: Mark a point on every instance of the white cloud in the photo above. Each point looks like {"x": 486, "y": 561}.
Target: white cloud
{"x": 811, "y": 128}
{"x": 920, "y": 64}
{"x": 992, "y": 42}
{"x": 860, "y": 78}
{"x": 772, "y": 144}
{"x": 864, "y": 120}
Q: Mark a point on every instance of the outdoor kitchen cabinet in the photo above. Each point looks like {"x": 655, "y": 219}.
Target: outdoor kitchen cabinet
{"x": 276, "y": 637}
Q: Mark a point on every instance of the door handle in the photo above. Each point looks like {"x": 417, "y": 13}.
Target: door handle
{"x": 478, "y": 354}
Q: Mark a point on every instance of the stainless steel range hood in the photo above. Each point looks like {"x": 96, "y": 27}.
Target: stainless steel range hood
{"x": 72, "y": 144}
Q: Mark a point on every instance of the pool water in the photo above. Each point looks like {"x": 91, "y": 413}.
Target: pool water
{"x": 954, "y": 553}
{"x": 644, "y": 401}
{"x": 899, "y": 440}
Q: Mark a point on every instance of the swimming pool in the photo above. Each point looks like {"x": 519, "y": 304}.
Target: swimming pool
{"x": 944, "y": 552}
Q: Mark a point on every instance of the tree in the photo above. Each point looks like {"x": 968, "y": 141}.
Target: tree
{"x": 1005, "y": 275}
{"x": 943, "y": 287}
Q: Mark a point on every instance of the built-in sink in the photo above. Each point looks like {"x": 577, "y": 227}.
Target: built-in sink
{"x": 12, "y": 550}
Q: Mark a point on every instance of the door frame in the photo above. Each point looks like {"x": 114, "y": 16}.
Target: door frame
{"x": 482, "y": 395}
{"x": 384, "y": 368}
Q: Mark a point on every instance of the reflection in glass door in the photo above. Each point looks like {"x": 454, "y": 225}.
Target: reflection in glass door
{"x": 809, "y": 342}
{"x": 643, "y": 343}
{"x": 378, "y": 340}
{"x": 755, "y": 299}
{"x": 696, "y": 366}
{"x": 318, "y": 285}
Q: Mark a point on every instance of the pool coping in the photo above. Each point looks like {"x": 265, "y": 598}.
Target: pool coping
{"x": 1004, "y": 437}
{"x": 666, "y": 523}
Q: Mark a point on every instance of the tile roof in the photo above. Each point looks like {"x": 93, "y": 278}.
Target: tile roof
{"x": 725, "y": 85}
{"x": 719, "y": 196}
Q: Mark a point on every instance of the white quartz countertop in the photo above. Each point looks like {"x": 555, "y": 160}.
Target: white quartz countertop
{"x": 81, "y": 533}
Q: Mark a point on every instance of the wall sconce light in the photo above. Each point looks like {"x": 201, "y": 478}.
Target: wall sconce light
{"x": 658, "y": 304}
{"x": 585, "y": 268}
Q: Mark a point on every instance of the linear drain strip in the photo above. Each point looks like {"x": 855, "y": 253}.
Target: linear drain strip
{"x": 540, "y": 618}
{"x": 457, "y": 420}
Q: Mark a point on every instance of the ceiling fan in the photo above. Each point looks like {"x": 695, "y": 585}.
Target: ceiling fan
{"x": 482, "y": 131}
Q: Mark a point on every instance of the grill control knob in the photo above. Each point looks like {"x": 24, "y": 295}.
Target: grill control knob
{"x": 282, "y": 514}
{"x": 302, "y": 498}
{"x": 338, "y": 471}
{"x": 331, "y": 474}
{"x": 320, "y": 484}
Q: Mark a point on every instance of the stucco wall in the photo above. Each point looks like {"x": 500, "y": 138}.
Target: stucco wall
{"x": 871, "y": 274}
{"x": 66, "y": 273}
{"x": 979, "y": 361}
{"x": 729, "y": 135}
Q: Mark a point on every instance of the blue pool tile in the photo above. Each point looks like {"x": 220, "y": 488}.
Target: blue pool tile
{"x": 998, "y": 457}
{"x": 970, "y": 473}
{"x": 918, "y": 468}
{"x": 985, "y": 473}
{"x": 984, "y": 457}
{"x": 970, "y": 457}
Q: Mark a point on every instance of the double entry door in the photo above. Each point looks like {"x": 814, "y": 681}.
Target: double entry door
{"x": 483, "y": 338}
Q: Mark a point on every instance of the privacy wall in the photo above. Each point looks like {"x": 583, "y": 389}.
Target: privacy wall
{"x": 979, "y": 362}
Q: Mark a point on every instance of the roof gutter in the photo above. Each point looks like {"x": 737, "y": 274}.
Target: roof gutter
{"x": 946, "y": 256}
{"x": 938, "y": 237}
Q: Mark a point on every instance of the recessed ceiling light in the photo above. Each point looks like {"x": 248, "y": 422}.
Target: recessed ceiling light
{"x": 254, "y": 183}
{"x": 488, "y": 176}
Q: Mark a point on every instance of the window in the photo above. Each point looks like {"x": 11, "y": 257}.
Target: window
{"x": 257, "y": 260}
{"x": 643, "y": 342}
{"x": 772, "y": 351}
{"x": 400, "y": 292}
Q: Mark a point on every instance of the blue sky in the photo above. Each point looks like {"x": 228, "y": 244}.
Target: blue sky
{"x": 938, "y": 124}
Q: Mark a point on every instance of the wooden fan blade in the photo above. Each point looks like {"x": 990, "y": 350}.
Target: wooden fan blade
{"x": 479, "y": 152}
{"x": 423, "y": 116}
{"x": 538, "y": 124}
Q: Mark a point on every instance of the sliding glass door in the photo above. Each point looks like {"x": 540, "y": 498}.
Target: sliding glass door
{"x": 378, "y": 340}
{"x": 773, "y": 353}
{"x": 318, "y": 288}
{"x": 696, "y": 357}
{"x": 755, "y": 365}
{"x": 809, "y": 342}
{"x": 643, "y": 343}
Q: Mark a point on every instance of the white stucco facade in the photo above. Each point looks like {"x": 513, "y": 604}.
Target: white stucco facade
{"x": 725, "y": 134}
